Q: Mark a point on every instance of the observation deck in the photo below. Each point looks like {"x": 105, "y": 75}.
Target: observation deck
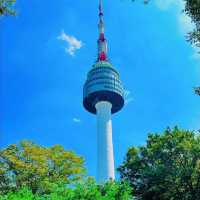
{"x": 103, "y": 84}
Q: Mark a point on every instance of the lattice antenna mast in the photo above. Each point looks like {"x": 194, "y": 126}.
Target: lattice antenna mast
{"x": 102, "y": 43}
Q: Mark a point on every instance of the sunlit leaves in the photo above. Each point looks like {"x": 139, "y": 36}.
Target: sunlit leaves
{"x": 38, "y": 167}
{"x": 85, "y": 190}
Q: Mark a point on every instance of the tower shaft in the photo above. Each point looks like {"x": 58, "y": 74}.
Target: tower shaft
{"x": 105, "y": 157}
{"x": 103, "y": 95}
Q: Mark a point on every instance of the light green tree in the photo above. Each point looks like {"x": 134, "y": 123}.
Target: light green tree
{"x": 39, "y": 168}
{"x": 85, "y": 190}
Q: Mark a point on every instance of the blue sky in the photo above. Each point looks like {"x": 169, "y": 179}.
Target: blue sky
{"x": 46, "y": 51}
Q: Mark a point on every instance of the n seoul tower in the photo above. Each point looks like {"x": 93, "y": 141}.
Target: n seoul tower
{"x": 103, "y": 95}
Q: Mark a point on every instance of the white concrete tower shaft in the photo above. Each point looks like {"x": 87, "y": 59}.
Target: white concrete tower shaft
{"x": 105, "y": 157}
{"x": 103, "y": 95}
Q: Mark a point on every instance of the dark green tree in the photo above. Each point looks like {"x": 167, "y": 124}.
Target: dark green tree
{"x": 197, "y": 90}
{"x": 192, "y": 8}
{"x": 167, "y": 167}
{"x": 7, "y": 7}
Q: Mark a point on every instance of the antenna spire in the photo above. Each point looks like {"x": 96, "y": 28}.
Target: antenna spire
{"x": 100, "y": 8}
{"x": 102, "y": 43}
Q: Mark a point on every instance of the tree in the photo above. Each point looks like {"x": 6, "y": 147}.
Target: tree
{"x": 192, "y": 8}
{"x": 21, "y": 194}
{"x": 167, "y": 167}
{"x": 39, "y": 168}
{"x": 197, "y": 90}
{"x": 6, "y": 7}
{"x": 87, "y": 190}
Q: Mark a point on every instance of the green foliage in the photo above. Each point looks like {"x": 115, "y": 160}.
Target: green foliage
{"x": 192, "y": 8}
{"x": 39, "y": 168}
{"x": 22, "y": 194}
{"x": 88, "y": 190}
{"x": 6, "y": 7}
{"x": 197, "y": 90}
{"x": 168, "y": 167}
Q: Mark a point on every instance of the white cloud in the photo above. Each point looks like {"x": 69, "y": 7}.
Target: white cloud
{"x": 76, "y": 120}
{"x": 126, "y": 93}
{"x": 128, "y": 97}
{"x": 186, "y": 26}
{"x": 129, "y": 100}
{"x": 196, "y": 53}
{"x": 166, "y": 4}
{"x": 72, "y": 42}
{"x": 184, "y": 22}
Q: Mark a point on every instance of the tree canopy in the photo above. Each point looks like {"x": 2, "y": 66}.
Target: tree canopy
{"x": 197, "y": 90}
{"x": 167, "y": 167}
{"x": 31, "y": 172}
{"x": 6, "y": 7}
{"x": 37, "y": 167}
{"x": 192, "y": 8}
{"x": 86, "y": 190}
